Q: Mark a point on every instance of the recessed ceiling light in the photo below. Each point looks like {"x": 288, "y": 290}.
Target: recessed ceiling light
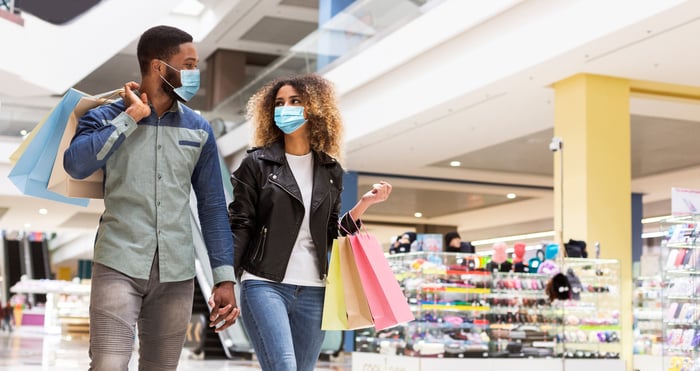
{"x": 418, "y": 215}
{"x": 191, "y": 8}
{"x": 23, "y": 132}
{"x": 43, "y": 211}
{"x": 27, "y": 225}
{"x": 455, "y": 163}
{"x": 511, "y": 196}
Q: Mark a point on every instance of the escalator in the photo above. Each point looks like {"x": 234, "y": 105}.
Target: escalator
{"x": 232, "y": 342}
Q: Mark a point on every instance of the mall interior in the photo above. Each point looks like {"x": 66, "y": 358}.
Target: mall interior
{"x": 509, "y": 121}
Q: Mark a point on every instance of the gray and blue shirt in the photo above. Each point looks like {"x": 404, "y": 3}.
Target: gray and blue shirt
{"x": 150, "y": 169}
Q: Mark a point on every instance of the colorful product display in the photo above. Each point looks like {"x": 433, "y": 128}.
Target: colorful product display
{"x": 462, "y": 311}
{"x": 681, "y": 294}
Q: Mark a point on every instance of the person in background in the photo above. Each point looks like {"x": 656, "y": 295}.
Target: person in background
{"x": 154, "y": 150}
{"x": 454, "y": 243}
{"x": 285, "y": 216}
{"x": 403, "y": 243}
{"x": 8, "y": 317}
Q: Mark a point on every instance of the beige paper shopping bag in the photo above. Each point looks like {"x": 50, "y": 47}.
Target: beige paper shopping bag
{"x": 62, "y": 183}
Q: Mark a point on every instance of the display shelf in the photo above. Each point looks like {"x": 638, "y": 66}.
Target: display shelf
{"x": 680, "y": 298}
{"x": 648, "y": 316}
{"x": 463, "y": 313}
{"x": 591, "y": 323}
{"x": 67, "y": 303}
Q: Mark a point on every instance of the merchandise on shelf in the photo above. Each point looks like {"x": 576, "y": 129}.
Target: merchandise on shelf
{"x": 462, "y": 311}
{"x": 681, "y": 293}
{"x": 648, "y": 315}
{"x": 591, "y": 324}
{"x": 67, "y": 303}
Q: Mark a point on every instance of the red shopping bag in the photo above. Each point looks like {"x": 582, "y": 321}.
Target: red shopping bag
{"x": 387, "y": 302}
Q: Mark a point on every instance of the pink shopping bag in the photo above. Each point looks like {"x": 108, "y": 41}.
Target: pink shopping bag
{"x": 387, "y": 302}
{"x": 345, "y": 304}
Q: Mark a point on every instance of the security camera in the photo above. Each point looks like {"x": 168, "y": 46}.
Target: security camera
{"x": 555, "y": 144}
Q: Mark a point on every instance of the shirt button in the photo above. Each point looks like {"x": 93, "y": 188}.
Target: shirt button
{"x": 158, "y": 203}
{"x": 160, "y": 146}
{"x": 160, "y": 176}
{"x": 274, "y": 177}
{"x": 331, "y": 181}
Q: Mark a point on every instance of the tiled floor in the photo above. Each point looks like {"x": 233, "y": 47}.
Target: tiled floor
{"x": 31, "y": 349}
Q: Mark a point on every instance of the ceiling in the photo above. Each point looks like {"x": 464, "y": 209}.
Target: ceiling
{"x": 499, "y": 132}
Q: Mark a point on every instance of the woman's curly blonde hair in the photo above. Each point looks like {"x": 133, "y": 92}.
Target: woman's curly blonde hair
{"x": 323, "y": 117}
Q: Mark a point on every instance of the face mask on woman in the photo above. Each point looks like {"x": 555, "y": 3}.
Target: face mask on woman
{"x": 289, "y": 118}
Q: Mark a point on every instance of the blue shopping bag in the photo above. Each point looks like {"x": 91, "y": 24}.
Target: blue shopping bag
{"x": 33, "y": 168}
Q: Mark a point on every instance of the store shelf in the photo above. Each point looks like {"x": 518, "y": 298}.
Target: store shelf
{"x": 67, "y": 304}
{"x": 680, "y": 296}
{"x": 475, "y": 314}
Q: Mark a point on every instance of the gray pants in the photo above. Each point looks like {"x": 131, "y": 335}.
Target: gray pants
{"x": 118, "y": 302}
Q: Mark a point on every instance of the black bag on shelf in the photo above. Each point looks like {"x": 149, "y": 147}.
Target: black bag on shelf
{"x": 576, "y": 249}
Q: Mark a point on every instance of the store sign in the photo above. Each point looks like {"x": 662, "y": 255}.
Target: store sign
{"x": 685, "y": 201}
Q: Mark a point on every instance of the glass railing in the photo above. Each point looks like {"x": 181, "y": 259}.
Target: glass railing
{"x": 353, "y": 29}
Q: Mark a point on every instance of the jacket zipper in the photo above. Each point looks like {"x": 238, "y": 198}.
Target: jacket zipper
{"x": 261, "y": 245}
{"x": 324, "y": 271}
{"x": 286, "y": 190}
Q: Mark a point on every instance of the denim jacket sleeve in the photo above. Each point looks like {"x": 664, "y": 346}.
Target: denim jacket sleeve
{"x": 208, "y": 186}
{"x": 100, "y": 132}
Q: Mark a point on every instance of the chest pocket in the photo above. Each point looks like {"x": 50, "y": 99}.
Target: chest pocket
{"x": 189, "y": 143}
{"x": 188, "y": 146}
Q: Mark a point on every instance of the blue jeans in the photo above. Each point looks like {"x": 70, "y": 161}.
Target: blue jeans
{"x": 118, "y": 302}
{"x": 284, "y": 324}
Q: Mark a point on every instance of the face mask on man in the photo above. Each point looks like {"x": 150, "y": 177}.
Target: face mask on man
{"x": 289, "y": 118}
{"x": 189, "y": 80}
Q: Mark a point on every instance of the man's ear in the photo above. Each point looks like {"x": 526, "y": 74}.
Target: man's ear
{"x": 156, "y": 66}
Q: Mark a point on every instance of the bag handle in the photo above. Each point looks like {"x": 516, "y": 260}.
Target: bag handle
{"x": 343, "y": 228}
{"x": 108, "y": 96}
{"x": 361, "y": 228}
{"x": 358, "y": 228}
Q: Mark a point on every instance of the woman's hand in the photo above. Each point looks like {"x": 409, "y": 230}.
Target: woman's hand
{"x": 379, "y": 193}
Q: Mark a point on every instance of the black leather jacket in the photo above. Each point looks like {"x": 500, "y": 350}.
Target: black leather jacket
{"x": 267, "y": 211}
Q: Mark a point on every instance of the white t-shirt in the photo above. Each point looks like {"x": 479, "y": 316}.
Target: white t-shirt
{"x": 303, "y": 266}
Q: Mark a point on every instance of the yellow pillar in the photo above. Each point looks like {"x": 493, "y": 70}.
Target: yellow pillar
{"x": 593, "y": 202}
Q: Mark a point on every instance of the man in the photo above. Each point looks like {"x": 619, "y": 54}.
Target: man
{"x": 453, "y": 243}
{"x": 153, "y": 150}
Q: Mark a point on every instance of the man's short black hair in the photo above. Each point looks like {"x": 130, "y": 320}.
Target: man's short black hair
{"x": 160, "y": 42}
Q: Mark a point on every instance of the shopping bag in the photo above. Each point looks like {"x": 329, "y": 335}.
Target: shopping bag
{"x": 387, "y": 302}
{"x": 59, "y": 181}
{"x": 334, "y": 315}
{"x": 345, "y": 305}
{"x": 356, "y": 305}
{"x": 28, "y": 139}
{"x": 31, "y": 172}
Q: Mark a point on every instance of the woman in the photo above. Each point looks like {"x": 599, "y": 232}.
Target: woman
{"x": 284, "y": 218}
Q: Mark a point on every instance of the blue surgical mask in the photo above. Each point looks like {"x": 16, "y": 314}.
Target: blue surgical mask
{"x": 289, "y": 118}
{"x": 190, "y": 83}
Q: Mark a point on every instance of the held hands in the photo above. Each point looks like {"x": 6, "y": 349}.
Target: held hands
{"x": 224, "y": 310}
{"x": 136, "y": 106}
